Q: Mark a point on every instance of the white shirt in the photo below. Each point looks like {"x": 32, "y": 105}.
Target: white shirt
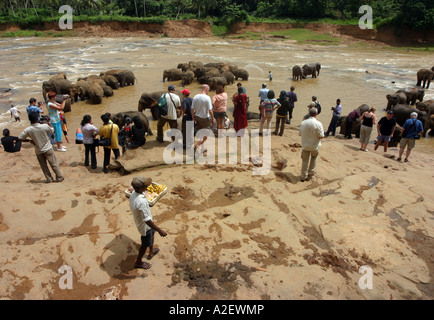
{"x": 14, "y": 112}
{"x": 139, "y": 207}
{"x": 311, "y": 131}
{"x": 39, "y": 135}
{"x": 202, "y": 104}
{"x": 171, "y": 108}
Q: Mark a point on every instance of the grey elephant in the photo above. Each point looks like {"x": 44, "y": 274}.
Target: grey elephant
{"x": 187, "y": 78}
{"x": 194, "y": 64}
{"x": 242, "y": 74}
{"x": 125, "y": 77}
{"x": 425, "y": 76}
{"x": 212, "y": 72}
{"x": 342, "y": 123}
{"x": 428, "y": 107}
{"x": 58, "y": 85}
{"x": 172, "y": 75}
{"x": 149, "y": 100}
{"x": 82, "y": 87}
{"x": 119, "y": 119}
{"x": 297, "y": 73}
{"x": 401, "y": 112}
{"x": 111, "y": 81}
{"x": 215, "y": 81}
{"x": 229, "y": 76}
{"x": 96, "y": 93}
{"x": 310, "y": 69}
{"x": 413, "y": 94}
{"x": 108, "y": 92}
{"x": 394, "y": 99}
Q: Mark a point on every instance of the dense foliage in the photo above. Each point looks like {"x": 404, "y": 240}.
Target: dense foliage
{"x": 417, "y": 14}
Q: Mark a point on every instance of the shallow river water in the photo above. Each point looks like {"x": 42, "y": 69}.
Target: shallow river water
{"x": 355, "y": 75}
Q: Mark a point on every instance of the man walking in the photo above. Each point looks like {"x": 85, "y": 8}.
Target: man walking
{"x": 173, "y": 105}
{"x": 202, "y": 112}
{"x": 15, "y": 113}
{"x": 39, "y": 134}
{"x": 386, "y": 129}
{"x": 411, "y": 129}
{"x": 139, "y": 207}
{"x": 109, "y": 131}
{"x": 311, "y": 132}
{"x": 292, "y": 98}
{"x": 334, "y": 122}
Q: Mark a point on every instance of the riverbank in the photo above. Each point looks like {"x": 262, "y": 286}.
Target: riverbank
{"x": 395, "y": 36}
{"x": 231, "y": 234}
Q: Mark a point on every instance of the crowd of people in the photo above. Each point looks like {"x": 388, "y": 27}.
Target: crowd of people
{"x": 207, "y": 113}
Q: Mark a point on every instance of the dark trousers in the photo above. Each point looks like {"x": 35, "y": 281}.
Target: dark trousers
{"x": 90, "y": 149}
{"x": 332, "y": 126}
{"x": 280, "y": 122}
{"x": 107, "y": 154}
{"x": 160, "y": 125}
{"x": 348, "y": 127}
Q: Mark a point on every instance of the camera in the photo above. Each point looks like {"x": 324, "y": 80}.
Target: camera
{"x": 66, "y": 96}
{"x": 40, "y": 103}
{"x": 44, "y": 119}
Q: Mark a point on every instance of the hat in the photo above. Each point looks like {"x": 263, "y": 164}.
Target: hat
{"x": 185, "y": 91}
{"x": 171, "y": 87}
{"x": 140, "y": 181}
{"x": 390, "y": 111}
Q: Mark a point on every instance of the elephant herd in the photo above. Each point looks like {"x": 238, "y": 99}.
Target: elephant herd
{"x": 212, "y": 74}
{"x": 92, "y": 88}
{"x": 300, "y": 73}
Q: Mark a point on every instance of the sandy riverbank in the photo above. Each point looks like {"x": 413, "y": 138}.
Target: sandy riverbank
{"x": 231, "y": 235}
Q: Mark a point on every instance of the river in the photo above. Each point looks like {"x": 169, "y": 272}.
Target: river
{"x": 356, "y": 75}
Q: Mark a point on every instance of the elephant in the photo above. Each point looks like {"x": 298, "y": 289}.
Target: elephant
{"x": 394, "y": 99}
{"x": 215, "y": 81}
{"x": 95, "y": 93}
{"x": 59, "y": 76}
{"x": 430, "y": 126}
{"x": 108, "y": 92}
{"x": 82, "y": 89}
{"x": 297, "y": 73}
{"x": 111, "y": 81}
{"x": 183, "y": 66}
{"x": 213, "y": 73}
{"x": 119, "y": 119}
{"x": 401, "y": 112}
{"x": 125, "y": 77}
{"x": 356, "y": 124}
{"x": 413, "y": 94}
{"x": 425, "y": 75}
{"x": 187, "y": 78}
{"x": 241, "y": 73}
{"x": 310, "y": 69}
{"x": 58, "y": 85}
{"x": 318, "y": 67}
{"x": 217, "y": 65}
{"x": 229, "y": 76}
{"x": 194, "y": 64}
{"x": 149, "y": 101}
{"x": 427, "y": 106}
{"x": 172, "y": 75}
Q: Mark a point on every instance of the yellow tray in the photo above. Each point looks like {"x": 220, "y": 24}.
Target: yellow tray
{"x": 153, "y": 201}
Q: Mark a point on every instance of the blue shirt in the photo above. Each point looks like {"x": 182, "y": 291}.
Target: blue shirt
{"x": 413, "y": 127}
{"x": 30, "y": 109}
{"x": 263, "y": 94}
{"x": 337, "y": 111}
{"x": 292, "y": 97}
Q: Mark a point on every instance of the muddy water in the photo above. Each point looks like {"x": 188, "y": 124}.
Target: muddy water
{"x": 355, "y": 75}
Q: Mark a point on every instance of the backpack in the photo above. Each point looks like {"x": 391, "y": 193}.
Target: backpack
{"x": 318, "y": 107}
{"x": 162, "y": 106}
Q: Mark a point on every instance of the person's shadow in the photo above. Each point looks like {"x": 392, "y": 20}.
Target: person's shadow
{"x": 120, "y": 265}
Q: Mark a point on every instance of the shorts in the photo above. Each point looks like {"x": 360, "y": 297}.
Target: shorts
{"x": 57, "y": 131}
{"x": 203, "y": 123}
{"x": 410, "y": 142}
{"x": 384, "y": 138}
{"x": 148, "y": 240}
{"x": 219, "y": 115}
